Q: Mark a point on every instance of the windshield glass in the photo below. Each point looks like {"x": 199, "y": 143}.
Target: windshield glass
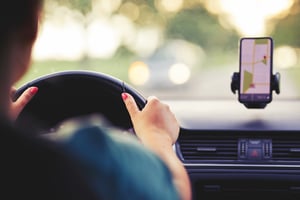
{"x": 174, "y": 49}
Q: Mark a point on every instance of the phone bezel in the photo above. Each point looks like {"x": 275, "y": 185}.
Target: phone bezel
{"x": 271, "y": 70}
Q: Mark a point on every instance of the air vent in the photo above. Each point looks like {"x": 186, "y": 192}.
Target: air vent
{"x": 197, "y": 147}
{"x": 286, "y": 149}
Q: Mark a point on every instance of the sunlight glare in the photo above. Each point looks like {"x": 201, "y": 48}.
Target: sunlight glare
{"x": 103, "y": 39}
{"x": 61, "y": 36}
{"x": 250, "y": 17}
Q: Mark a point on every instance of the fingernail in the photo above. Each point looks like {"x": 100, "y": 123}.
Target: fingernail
{"x": 33, "y": 90}
{"x": 124, "y": 96}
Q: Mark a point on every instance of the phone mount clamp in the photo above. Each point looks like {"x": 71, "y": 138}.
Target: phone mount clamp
{"x": 275, "y": 86}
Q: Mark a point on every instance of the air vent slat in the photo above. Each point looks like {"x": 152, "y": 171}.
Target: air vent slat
{"x": 217, "y": 149}
{"x": 208, "y": 145}
{"x": 286, "y": 149}
{"x": 200, "y": 147}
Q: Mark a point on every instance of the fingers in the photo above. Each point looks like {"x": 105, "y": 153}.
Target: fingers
{"x": 26, "y": 96}
{"x": 131, "y": 105}
{"x": 22, "y": 101}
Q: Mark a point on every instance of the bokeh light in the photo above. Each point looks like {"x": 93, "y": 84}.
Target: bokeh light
{"x": 179, "y": 73}
{"x": 138, "y": 73}
{"x": 285, "y": 57}
{"x": 103, "y": 39}
{"x": 169, "y": 5}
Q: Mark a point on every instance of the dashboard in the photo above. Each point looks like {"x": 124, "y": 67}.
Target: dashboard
{"x": 238, "y": 153}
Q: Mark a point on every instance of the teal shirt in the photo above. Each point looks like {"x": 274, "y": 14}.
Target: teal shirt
{"x": 116, "y": 165}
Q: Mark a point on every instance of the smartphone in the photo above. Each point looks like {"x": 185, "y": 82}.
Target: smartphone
{"x": 256, "y": 69}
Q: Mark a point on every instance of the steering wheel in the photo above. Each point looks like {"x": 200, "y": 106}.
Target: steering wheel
{"x": 69, "y": 94}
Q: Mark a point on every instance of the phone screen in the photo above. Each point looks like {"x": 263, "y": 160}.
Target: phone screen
{"x": 255, "y": 70}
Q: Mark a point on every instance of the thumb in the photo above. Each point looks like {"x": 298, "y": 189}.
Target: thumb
{"x": 131, "y": 105}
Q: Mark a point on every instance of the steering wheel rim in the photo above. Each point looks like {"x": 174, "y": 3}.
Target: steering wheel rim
{"x": 68, "y": 94}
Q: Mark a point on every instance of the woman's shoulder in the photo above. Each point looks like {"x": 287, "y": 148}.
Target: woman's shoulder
{"x": 118, "y": 159}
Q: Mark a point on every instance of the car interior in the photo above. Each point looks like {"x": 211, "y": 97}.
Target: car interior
{"x": 189, "y": 54}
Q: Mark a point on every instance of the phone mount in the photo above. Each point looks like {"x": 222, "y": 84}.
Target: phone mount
{"x": 275, "y": 86}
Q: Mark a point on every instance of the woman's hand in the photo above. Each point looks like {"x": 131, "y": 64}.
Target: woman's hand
{"x": 17, "y": 106}
{"x": 158, "y": 129}
{"x": 155, "y": 120}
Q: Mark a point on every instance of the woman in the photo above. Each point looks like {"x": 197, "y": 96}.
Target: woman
{"x": 90, "y": 164}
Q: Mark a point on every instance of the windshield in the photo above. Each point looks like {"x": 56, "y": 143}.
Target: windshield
{"x": 174, "y": 49}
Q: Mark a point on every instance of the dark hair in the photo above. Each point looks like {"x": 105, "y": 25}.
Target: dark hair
{"x": 18, "y": 21}
{"x": 18, "y": 15}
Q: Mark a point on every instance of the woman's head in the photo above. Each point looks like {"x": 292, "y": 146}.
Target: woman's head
{"x": 18, "y": 31}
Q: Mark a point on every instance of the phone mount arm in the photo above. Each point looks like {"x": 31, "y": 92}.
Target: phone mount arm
{"x": 275, "y": 86}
